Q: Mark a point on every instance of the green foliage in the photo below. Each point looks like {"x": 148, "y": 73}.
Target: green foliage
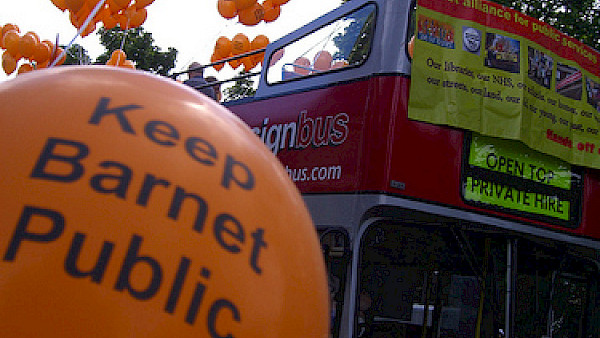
{"x": 139, "y": 47}
{"x": 77, "y": 55}
{"x": 577, "y": 18}
{"x": 242, "y": 88}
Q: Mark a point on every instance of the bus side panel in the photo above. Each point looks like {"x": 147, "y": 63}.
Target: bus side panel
{"x": 318, "y": 135}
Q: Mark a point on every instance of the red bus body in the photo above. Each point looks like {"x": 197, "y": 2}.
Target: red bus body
{"x": 347, "y": 142}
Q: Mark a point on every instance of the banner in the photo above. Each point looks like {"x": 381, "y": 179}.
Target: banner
{"x": 487, "y": 68}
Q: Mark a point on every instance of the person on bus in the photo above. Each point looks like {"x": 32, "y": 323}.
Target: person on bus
{"x": 196, "y": 80}
{"x": 216, "y": 87}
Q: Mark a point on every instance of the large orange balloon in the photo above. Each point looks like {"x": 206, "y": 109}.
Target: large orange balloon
{"x": 259, "y": 42}
{"x": 9, "y": 63}
{"x": 28, "y": 44}
{"x": 135, "y": 206}
{"x": 223, "y": 47}
{"x": 227, "y": 9}
{"x": 304, "y": 63}
{"x": 42, "y": 52}
{"x": 74, "y": 5}
{"x": 271, "y": 11}
{"x": 240, "y": 44}
{"x": 11, "y": 41}
{"x": 252, "y": 15}
{"x": 143, "y": 3}
{"x": 322, "y": 60}
{"x": 60, "y": 4}
{"x": 243, "y": 4}
{"x": 214, "y": 58}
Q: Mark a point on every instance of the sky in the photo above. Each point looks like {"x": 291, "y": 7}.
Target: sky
{"x": 190, "y": 26}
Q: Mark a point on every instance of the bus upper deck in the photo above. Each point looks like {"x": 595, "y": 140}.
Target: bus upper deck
{"x": 437, "y": 229}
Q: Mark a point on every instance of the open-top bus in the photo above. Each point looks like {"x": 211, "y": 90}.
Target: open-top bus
{"x": 428, "y": 229}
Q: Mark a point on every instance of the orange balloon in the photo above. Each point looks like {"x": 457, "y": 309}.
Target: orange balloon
{"x": 271, "y": 11}
{"x": 137, "y": 17}
{"x": 302, "y": 61}
{"x": 42, "y": 65}
{"x": 142, "y": 3}
{"x": 240, "y": 44}
{"x": 121, "y": 4}
{"x": 276, "y": 56}
{"x": 41, "y": 53}
{"x": 235, "y": 63}
{"x": 10, "y": 27}
{"x": 243, "y": 4}
{"x": 119, "y": 56}
{"x": 227, "y": 9}
{"x": 223, "y": 47}
{"x": 322, "y": 60}
{"x": 215, "y": 58}
{"x": 259, "y": 42}
{"x": 279, "y": 2}
{"x": 89, "y": 29}
{"x": 28, "y": 44}
{"x": 184, "y": 239}
{"x": 60, "y": 4}
{"x": 128, "y": 64}
{"x": 249, "y": 62}
{"x": 51, "y": 45}
{"x": 74, "y": 5}
{"x": 9, "y": 64}
{"x": 252, "y": 15}
{"x": 25, "y": 68}
{"x": 11, "y": 41}
{"x": 58, "y": 54}
{"x": 124, "y": 21}
{"x": 109, "y": 21}
{"x": 75, "y": 21}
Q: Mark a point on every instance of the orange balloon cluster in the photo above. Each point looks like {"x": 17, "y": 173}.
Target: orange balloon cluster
{"x": 118, "y": 58}
{"x": 125, "y": 13}
{"x": 28, "y": 47}
{"x": 250, "y": 12}
{"x": 240, "y": 44}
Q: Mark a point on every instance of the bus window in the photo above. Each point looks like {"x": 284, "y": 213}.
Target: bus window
{"x": 343, "y": 43}
{"x": 336, "y": 251}
{"x": 430, "y": 281}
{"x": 556, "y": 294}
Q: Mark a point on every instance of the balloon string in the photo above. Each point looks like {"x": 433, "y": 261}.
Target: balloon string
{"x": 80, "y": 30}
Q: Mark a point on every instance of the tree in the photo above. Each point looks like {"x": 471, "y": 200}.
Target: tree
{"x": 139, "y": 47}
{"x": 243, "y": 87}
{"x": 577, "y": 18}
{"x": 77, "y": 55}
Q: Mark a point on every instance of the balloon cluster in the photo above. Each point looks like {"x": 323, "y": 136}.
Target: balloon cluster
{"x": 323, "y": 61}
{"x": 125, "y": 13}
{"x": 240, "y": 44}
{"x": 37, "y": 54}
{"x": 250, "y": 12}
{"x": 118, "y": 58}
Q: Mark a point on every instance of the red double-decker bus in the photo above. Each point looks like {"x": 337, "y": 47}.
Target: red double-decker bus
{"x": 428, "y": 230}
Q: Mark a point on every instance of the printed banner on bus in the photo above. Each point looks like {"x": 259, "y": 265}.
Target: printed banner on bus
{"x": 484, "y": 67}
